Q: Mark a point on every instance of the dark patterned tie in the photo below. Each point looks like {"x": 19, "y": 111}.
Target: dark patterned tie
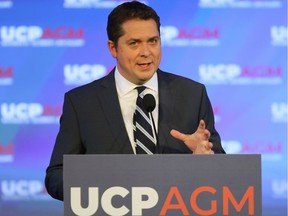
{"x": 143, "y": 134}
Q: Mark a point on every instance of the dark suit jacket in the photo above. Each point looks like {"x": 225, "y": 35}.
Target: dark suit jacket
{"x": 92, "y": 122}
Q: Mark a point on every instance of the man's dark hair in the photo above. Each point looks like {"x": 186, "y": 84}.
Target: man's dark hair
{"x": 128, "y": 11}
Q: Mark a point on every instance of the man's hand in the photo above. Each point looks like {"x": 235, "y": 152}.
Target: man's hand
{"x": 197, "y": 142}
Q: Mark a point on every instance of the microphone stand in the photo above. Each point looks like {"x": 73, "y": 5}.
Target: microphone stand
{"x": 149, "y": 104}
{"x": 155, "y": 133}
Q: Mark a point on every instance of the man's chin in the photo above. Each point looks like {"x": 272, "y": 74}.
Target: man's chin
{"x": 143, "y": 80}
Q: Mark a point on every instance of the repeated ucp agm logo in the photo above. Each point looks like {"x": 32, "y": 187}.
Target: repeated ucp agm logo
{"x": 240, "y": 75}
{"x": 93, "y": 3}
{"x": 6, "y": 4}
{"x": 270, "y": 150}
{"x": 37, "y": 36}
{"x": 30, "y": 113}
{"x": 244, "y": 4}
{"x": 23, "y": 189}
{"x": 194, "y": 36}
{"x": 79, "y": 74}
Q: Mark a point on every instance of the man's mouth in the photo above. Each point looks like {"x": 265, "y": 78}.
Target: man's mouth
{"x": 144, "y": 65}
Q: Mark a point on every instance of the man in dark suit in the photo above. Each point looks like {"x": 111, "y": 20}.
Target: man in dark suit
{"x": 98, "y": 117}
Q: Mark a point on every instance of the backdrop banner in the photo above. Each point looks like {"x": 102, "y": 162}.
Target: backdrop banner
{"x": 236, "y": 48}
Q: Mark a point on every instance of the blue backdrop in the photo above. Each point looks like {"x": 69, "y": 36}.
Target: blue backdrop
{"x": 237, "y": 48}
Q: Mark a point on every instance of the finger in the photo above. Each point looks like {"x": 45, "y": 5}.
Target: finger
{"x": 178, "y": 135}
{"x": 210, "y": 145}
{"x": 201, "y": 126}
{"x": 207, "y": 146}
{"x": 207, "y": 134}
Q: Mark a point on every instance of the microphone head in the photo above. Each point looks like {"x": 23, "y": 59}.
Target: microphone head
{"x": 149, "y": 102}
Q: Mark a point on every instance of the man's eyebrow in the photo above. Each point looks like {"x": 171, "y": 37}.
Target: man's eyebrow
{"x": 155, "y": 37}
{"x": 137, "y": 39}
{"x": 134, "y": 39}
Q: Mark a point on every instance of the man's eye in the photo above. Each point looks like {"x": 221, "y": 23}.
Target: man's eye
{"x": 154, "y": 40}
{"x": 133, "y": 43}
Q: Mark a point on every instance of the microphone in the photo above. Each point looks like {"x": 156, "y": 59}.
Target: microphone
{"x": 149, "y": 104}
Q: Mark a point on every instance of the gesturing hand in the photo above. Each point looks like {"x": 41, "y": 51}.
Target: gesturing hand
{"x": 198, "y": 142}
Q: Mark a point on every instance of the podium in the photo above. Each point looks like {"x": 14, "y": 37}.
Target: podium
{"x": 162, "y": 185}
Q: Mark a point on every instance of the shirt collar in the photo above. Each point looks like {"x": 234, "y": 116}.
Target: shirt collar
{"x": 126, "y": 86}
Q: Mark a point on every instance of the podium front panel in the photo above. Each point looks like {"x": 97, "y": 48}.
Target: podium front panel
{"x": 162, "y": 185}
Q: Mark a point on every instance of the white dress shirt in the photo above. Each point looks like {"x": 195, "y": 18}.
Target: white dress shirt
{"x": 127, "y": 95}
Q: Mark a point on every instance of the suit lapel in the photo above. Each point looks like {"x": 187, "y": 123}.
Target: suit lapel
{"x": 111, "y": 108}
{"x": 166, "y": 106}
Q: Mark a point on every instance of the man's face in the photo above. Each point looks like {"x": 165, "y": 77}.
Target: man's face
{"x": 138, "y": 51}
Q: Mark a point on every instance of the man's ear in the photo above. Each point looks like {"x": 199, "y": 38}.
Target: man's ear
{"x": 112, "y": 48}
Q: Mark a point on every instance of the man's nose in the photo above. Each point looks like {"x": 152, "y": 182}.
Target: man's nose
{"x": 145, "y": 50}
